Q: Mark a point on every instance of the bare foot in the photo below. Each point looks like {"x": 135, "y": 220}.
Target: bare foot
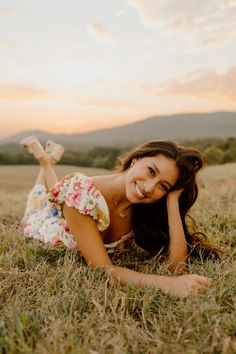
{"x": 34, "y": 147}
{"x": 54, "y": 150}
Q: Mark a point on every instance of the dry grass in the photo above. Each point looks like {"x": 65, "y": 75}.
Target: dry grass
{"x": 23, "y": 176}
{"x": 50, "y": 301}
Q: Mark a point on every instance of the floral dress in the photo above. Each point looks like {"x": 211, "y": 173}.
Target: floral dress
{"x": 43, "y": 219}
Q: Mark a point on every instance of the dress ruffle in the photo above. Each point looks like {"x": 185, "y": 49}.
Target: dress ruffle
{"x": 78, "y": 191}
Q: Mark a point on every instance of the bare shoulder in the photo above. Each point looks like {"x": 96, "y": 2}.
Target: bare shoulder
{"x": 103, "y": 183}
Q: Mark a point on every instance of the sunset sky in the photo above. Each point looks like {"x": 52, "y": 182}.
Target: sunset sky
{"x": 80, "y": 65}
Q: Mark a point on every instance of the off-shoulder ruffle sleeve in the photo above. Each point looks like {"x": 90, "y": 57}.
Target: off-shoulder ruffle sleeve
{"x": 78, "y": 191}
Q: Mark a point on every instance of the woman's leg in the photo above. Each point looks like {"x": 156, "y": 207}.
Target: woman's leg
{"x": 46, "y": 179}
{"x": 41, "y": 178}
{"x": 37, "y": 198}
{"x": 47, "y": 174}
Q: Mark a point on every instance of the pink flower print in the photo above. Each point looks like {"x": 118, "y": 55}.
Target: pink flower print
{"x": 77, "y": 199}
{"x": 86, "y": 211}
{"x": 77, "y": 185}
{"x": 89, "y": 184}
{"x": 57, "y": 243}
{"x": 28, "y": 230}
{"x": 63, "y": 224}
{"x": 64, "y": 180}
{"x": 73, "y": 199}
{"x": 97, "y": 194}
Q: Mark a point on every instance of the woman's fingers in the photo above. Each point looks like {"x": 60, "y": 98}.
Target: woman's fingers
{"x": 186, "y": 285}
{"x": 201, "y": 283}
{"x": 204, "y": 280}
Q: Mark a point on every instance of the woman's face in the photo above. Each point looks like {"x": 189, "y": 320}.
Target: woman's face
{"x": 150, "y": 178}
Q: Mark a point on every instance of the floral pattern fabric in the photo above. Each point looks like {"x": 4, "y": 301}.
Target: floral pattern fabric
{"x": 43, "y": 217}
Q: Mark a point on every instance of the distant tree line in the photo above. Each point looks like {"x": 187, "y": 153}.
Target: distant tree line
{"x": 215, "y": 151}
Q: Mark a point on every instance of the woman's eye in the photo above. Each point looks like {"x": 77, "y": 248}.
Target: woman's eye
{"x": 151, "y": 171}
{"x": 164, "y": 187}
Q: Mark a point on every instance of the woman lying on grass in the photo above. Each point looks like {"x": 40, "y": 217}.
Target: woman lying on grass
{"x": 147, "y": 199}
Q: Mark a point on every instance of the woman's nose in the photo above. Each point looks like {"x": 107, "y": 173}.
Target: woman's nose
{"x": 150, "y": 186}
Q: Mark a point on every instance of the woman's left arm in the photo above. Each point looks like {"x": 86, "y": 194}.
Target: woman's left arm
{"x": 178, "y": 250}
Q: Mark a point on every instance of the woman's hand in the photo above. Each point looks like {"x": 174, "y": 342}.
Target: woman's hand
{"x": 174, "y": 195}
{"x": 179, "y": 286}
{"x": 185, "y": 285}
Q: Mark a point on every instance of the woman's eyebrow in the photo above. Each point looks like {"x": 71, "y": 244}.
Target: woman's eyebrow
{"x": 158, "y": 171}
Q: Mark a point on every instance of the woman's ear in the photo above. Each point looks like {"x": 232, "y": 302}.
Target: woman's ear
{"x": 134, "y": 160}
{"x": 197, "y": 164}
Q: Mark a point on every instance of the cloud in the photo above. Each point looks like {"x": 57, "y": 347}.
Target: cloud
{"x": 11, "y": 11}
{"x": 116, "y": 83}
{"x": 120, "y": 12}
{"x": 102, "y": 103}
{"x": 20, "y": 92}
{"x": 6, "y": 12}
{"x": 205, "y": 20}
{"x": 98, "y": 32}
{"x": 9, "y": 44}
{"x": 147, "y": 11}
{"x": 208, "y": 84}
{"x": 227, "y": 4}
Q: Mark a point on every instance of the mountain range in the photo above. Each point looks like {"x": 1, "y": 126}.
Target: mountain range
{"x": 179, "y": 126}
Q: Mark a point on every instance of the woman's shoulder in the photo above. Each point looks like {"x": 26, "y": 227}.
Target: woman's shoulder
{"x": 78, "y": 190}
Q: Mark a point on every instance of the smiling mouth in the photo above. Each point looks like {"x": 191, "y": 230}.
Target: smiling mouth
{"x": 140, "y": 194}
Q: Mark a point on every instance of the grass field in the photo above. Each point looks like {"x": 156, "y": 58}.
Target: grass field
{"x": 51, "y": 302}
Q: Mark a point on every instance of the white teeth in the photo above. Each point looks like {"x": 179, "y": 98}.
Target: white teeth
{"x": 139, "y": 192}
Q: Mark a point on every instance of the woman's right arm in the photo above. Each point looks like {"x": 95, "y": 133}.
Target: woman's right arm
{"x": 91, "y": 245}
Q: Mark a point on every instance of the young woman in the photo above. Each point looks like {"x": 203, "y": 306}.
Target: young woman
{"x": 146, "y": 199}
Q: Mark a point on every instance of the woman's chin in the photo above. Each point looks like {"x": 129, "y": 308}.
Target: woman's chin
{"x": 134, "y": 199}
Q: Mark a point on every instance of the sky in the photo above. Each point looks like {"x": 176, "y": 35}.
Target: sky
{"x": 73, "y": 66}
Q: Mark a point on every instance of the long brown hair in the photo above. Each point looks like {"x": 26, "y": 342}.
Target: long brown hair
{"x": 150, "y": 221}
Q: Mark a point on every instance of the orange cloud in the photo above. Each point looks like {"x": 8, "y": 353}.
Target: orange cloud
{"x": 99, "y": 33}
{"x": 20, "y": 116}
{"x": 6, "y": 12}
{"x": 117, "y": 83}
{"x": 102, "y": 103}
{"x": 9, "y": 44}
{"x": 208, "y": 84}
{"x": 20, "y": 92}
